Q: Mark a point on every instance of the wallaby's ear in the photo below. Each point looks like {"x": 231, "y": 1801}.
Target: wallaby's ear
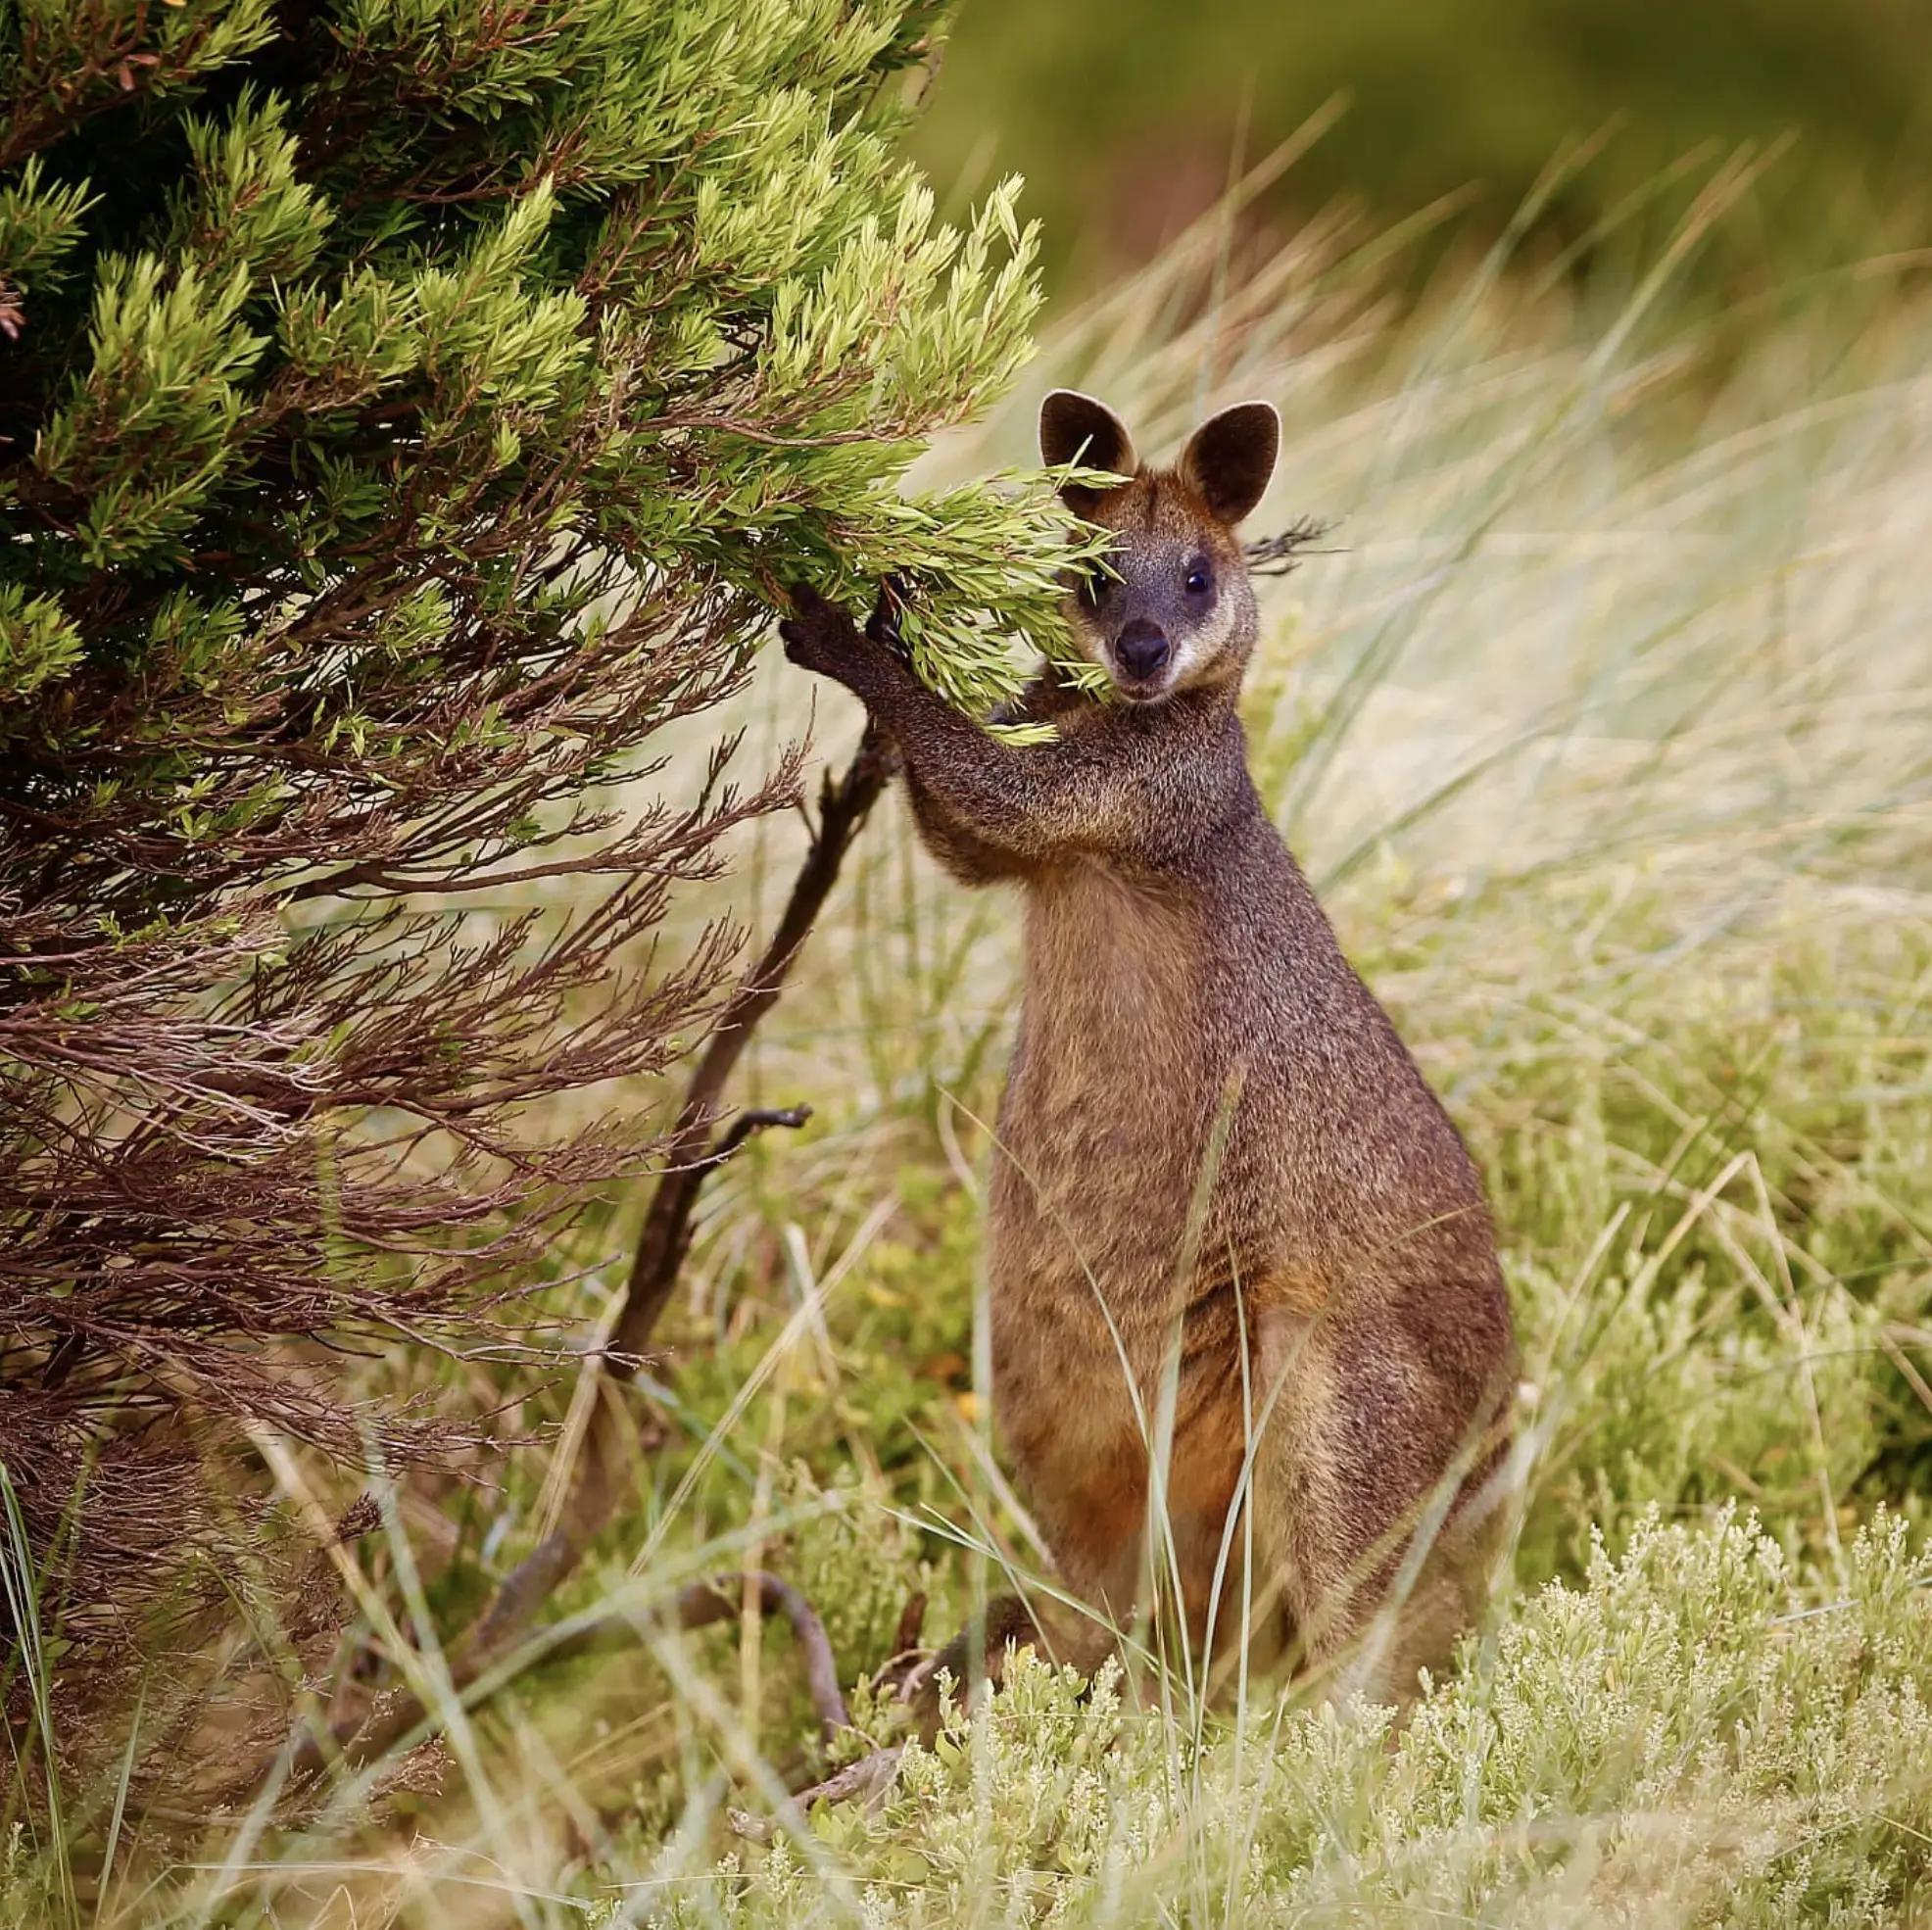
{"x": 1229, "y": 457}
{"x": 1075, "y": 428}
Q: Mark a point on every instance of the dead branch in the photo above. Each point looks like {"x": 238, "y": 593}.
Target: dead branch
{"x": 692, "y": 1152}
{"x": 755, "y": 1119}
{"x": 871, "y": 1777}
{"x": 693, "y": 1149}
{"x": 706, "y": 1602}
{"x": 357, "y": 1737}
{"x": 1282, "y": 554}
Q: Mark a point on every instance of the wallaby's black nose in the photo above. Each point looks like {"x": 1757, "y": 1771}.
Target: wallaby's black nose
{"x": 1140, "y": 648}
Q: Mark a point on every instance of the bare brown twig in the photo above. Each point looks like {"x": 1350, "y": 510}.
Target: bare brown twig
{"x": 707, "y": 1602}
{"x": 845, "y": 802}
{"x": 355, "y": 1738}
{"x": 1281, "y": 555}
{"x": 871, "y": 1777}
{"x": 693, "y": 1149}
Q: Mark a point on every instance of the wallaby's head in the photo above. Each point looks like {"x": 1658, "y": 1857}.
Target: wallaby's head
{"x": 1172, "y": 607}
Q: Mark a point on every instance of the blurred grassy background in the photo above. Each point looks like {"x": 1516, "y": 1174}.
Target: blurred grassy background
{"x": 1125, "y": 116}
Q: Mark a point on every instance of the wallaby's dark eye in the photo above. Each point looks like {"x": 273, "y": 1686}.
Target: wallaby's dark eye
{"x": 1094, "y": 581}
{"x": 1197, "y": 579}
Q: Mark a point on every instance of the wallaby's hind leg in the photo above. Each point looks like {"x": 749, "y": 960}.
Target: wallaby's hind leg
{"x": 1091, "y": 1521}
{"x": 1372, "y": 1642}
{"x": 1382, "y": 1556}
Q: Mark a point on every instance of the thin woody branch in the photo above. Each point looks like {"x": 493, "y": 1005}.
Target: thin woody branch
{"x": 707, "y": 1601}
{"x": 354, "y": 1740}
{"x": 692, "y": 1152}
{"x": 845, "y": 804}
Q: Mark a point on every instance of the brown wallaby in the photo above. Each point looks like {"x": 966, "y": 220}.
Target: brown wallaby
{"x": 1238, "y": 1257}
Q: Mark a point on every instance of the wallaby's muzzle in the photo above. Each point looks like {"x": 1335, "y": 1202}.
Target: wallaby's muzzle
{"x": 1141, "y": 651}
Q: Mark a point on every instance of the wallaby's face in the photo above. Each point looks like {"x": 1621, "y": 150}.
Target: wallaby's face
{"x": 1172, "y": 610}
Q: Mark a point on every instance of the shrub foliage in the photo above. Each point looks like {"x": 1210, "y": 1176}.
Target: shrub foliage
{"x": 410, "y": 410}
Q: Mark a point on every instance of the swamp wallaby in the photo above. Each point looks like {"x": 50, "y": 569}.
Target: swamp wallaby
{"x": 1239, "y": 1256}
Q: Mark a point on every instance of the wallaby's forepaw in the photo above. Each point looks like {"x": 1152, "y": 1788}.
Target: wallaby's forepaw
{"x": 818, "y": 635}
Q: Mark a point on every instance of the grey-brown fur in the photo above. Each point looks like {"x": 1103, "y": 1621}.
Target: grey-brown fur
{"x": 1207, "y": 1114}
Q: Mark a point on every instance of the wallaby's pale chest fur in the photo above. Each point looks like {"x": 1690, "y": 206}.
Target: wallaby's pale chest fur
{"x": 1230, "y": 1231}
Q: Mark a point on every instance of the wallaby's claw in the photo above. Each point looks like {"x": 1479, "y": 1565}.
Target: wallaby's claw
{"x": 819, "y": 636}
{"x": 883, "y": 625}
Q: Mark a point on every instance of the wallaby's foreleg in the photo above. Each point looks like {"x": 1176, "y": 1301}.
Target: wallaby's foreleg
{"x": 970, "y": 859}
{"x": 1021, "y": 801}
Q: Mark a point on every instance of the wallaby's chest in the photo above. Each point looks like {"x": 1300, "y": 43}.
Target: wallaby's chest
{"x": 1112, "y": 994}
{"x": 1115, "y": 1080}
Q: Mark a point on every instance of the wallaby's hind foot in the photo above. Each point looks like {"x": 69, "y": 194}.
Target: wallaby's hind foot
{"x": 980, "y": 1650}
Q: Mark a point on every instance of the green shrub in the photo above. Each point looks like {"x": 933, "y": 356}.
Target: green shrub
{"x": 412, "y": 409}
